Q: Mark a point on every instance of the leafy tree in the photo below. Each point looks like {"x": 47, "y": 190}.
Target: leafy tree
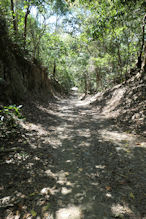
{"x": 90, "y": 44}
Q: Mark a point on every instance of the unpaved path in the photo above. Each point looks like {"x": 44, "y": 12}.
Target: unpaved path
{"x": 75, "y": 164}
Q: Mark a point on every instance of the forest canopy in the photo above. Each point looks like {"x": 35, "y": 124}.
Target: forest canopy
{"x": 89, "y": 44}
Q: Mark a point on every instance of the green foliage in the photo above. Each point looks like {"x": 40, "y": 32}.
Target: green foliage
{"x": 8, "y": 118}
{"x": 90, "y": 44}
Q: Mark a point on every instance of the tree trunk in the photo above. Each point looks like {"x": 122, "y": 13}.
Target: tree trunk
{"x": 14, "y": 17}
{"x": 120, "y": 61}
{"x": 25, "y": 24}
{"x": 54, "y": 70}
{"x": 143, "y": 66}
{"x": 86, "y": 84}
{"x": 139, "y": 63}
{"x": 98, "y": 79}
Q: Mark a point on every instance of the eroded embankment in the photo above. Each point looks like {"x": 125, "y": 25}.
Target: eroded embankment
{"x": 20, "y": 76}
{"x": 124, "y": 103}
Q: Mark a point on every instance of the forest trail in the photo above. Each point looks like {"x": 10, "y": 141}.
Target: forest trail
{"x": 76, "y": 164}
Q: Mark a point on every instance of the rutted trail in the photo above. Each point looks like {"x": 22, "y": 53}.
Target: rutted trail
{"x": 77, "y": 165}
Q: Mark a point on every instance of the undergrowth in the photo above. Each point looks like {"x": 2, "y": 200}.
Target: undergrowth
{"x": 9, "y": 117}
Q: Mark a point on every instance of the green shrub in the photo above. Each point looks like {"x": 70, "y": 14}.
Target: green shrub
{"x": 9, "y": 115}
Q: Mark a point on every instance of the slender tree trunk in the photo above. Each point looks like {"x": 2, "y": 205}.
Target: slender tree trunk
{"x": 143, "y": 66}
{"x": 139, "y": 63}
{"x": 25, "y": 24}
{"x": 54, "y": 70}
{"x": 37, "y": 43}
{"x": 86, "y": 83}
{"x": 14, "y": 17}
{"x": 119, "y": 59}
{"x": 54, "y": 66}
{"x": 98, "y": 79}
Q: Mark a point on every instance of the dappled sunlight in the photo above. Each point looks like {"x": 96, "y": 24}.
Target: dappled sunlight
{"x": 53, "y": 112}
{"x": 114, "y": 101}
{"x": 18, "y": 157}
{"x": 49, "y": 191}
{"x": 121, "y": 210}
{"x": 88, "y": 100}
{"x": 65, "y": 191}
{"x": 50, "y": 173}
{"x": 109, "y": 195}
{"x": 116, "y": 136}
{"x": 71, "y": 167}
{"x": 122, "y": 138}
{"x": 84, "y": 132}
{"x": 33, "y": 127}
{"x": 62, "y": 177}
{"x": 84, "y": 144}
{"x": 71, "y": 212}
{"x": 100, "y": 166}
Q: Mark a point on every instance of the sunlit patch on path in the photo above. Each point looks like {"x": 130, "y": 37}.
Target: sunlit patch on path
{"x": 69, "y": 213}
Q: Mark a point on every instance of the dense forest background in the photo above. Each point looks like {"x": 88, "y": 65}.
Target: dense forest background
{"x": 89, "y": 44}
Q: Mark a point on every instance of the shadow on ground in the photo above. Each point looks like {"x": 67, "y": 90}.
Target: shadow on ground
{"x": 74, "y": 164}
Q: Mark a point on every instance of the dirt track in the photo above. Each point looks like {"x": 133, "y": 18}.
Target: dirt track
{"x": 75, "y": 164}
